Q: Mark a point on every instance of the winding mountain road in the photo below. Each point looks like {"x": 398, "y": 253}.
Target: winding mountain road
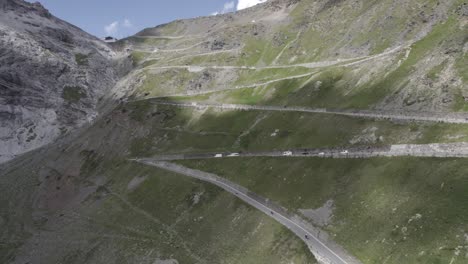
{"x": 160, "y": 37}
{"x": 179, "y": 49}
{"x": 238, "y": 87}
{"x": 309, "y": 65}
{"x": 440, "y": 150}
{"x": 324, "y": 249}
{"x": 202, "y": 54}
{"x": 437, "y": 117}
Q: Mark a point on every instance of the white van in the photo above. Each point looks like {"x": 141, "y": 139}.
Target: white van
{"x": 287, "y": 153}
{"x": 218, "y": 156}
{"x": 233, "y": 155}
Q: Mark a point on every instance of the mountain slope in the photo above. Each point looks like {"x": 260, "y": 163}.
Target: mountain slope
{"x": 83, "y": 199}
{"x": 426, "y": 62}
{"x": 52, "y": 77}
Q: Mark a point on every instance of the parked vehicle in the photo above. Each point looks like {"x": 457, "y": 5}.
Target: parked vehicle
{"x": 321, "y": 153}
{"x": 344, "y": 152}
{"x": 218, "y": 156}
{"x": 234, "y": 155}
{"x": 287, "y": 153}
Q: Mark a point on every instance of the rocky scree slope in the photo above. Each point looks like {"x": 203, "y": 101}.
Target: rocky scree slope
{"x": 52, "y": 77}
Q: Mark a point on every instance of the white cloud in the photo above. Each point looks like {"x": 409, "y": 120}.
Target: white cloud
{"x": 229, "y": 6}
{"x": 112, "y": 28}
{"x": 242, "y": 4}
{"x": 118, "y": 28}
{"x": 127, "y": 23}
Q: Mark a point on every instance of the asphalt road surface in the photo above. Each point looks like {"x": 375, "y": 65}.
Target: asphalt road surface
{"x": 325, "y": 250}
{"x": 454, "y": 118}
{"x": 439, "y": 150}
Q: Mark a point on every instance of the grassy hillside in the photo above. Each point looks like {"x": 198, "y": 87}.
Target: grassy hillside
{"x": 424, "y": 71}
{"x": 399, "y": 210}
{"x": 81, "y": 200}
{"x": 87, "y": 203}
{"x": 192, "y": 130}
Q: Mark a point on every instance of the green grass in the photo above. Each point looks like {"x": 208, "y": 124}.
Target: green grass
{"x": 461, "y": 67}
{"x": 184, "y": 130}
{"x": 189, "y": 130}
{"x": 138, "y": 57}
{"x": 248, "y": 96}
{"x": 156, "y": 219}
{"x": 385, "y": 22}
{"x": 205, "y": 60}
{"x": 337, "y": 81}
{"x": 338, "y": 85}
{"x": 337, "y": 89}
{"x": 166, "y": 82}
{"x": 317, "y": 131}
{"x": 263, "y": 52}
{"x": 249, "y": 77}
{"x": 168, "y": 29}
{"x": 144, "y": 42}
{"x": 274, "y": 93}
{"x": 327, "y": 94}
{"x": 374, "y": 199}
{"x": 161, "y": 213}
{"x": 434, "y": 72}
{"x": 460, "y": 103}
{"x": 439, "y": 37}
{"x": 368, "y": 96}
{"x": 81, "y": 59}
{"x": 150, "y": 62}
{"x": 139, "y": 111}
{"x": 91, "y": 161}
{"x": 168, "y": 197}
{"x": 73, "y": 94}
{"x": 381, "y": 36}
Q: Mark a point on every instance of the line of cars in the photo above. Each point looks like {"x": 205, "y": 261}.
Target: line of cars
{"x": 305, "y": 152}
{"x": 220, "y": 155}
{"x": 287, "y": 153}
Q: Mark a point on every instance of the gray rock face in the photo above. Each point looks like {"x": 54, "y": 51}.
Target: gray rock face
{"x": 52, "y": 76}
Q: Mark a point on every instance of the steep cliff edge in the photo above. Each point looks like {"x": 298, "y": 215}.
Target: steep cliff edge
{"x": 52, "y": 77}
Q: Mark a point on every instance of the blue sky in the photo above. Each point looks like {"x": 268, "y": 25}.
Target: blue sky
{"x": 121, "y": 18}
